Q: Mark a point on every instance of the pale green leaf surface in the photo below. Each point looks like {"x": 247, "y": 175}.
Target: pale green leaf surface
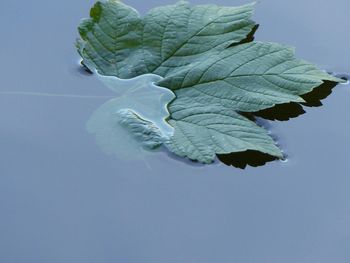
{"x": 117, "y": 41}
{"x": 201, "y": 131}
{"x": 248, "y": 78}
{"x": 202, "y": 56}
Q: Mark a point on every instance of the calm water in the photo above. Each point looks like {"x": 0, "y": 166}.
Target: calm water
{"x": 62, "y": 200}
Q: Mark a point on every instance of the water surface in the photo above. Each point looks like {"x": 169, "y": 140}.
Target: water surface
{"x": 63, "y": 200}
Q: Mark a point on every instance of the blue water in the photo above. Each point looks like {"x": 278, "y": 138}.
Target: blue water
{"x": 62, "y": 200}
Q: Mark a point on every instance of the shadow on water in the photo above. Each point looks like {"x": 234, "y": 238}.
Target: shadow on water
{"x": 84, "y": 70}
{"x": 243, "y": 159}
{"x": 250, "y": 37}
{"x": 313, "y": 99}
{"x": 281, "y": 112}
{"x": 284, "y": 112}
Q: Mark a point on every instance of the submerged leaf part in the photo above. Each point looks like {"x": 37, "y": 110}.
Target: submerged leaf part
{"x": 144, "y": 97}
{"x": 135, "y": 120}
{"x": 206, "y": 55}
{"x": 145, "y": 132}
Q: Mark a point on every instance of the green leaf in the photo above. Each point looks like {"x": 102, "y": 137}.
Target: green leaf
{"x": 117, "y": 42}
{"x": 248, "y": 78}
{"x": 202, "y": 131}
{"x": 206, "y": 56}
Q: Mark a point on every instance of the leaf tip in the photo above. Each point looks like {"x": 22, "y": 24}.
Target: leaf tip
{"x": 95, "y": 12}
{"x": 339, "y": 80}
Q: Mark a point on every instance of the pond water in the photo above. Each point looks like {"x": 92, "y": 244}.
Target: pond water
{"x": 62, "y": 200}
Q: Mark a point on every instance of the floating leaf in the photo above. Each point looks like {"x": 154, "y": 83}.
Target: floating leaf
{"x": 206, "y": 55}
{"x": 117, "y": 42}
